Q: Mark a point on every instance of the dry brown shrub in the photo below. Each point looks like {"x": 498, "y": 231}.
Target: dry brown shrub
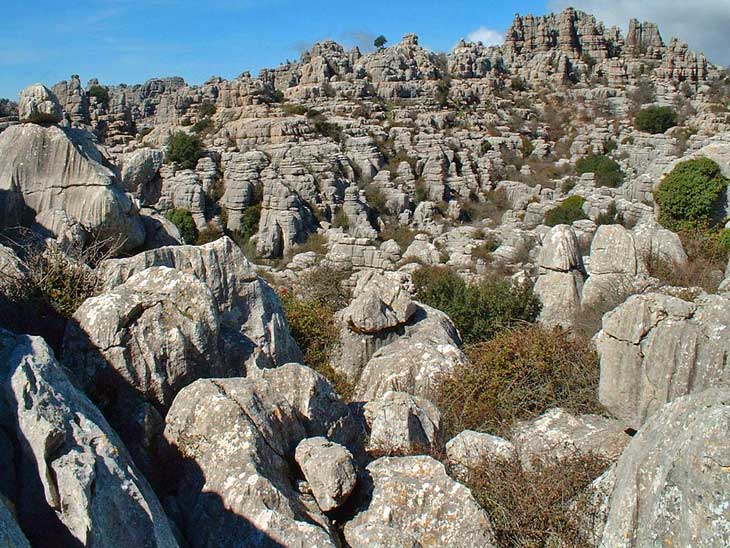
{"x": 540, "y": 507}
{"x": 519, "y": 375}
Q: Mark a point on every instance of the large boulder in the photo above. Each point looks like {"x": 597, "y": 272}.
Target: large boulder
{"x": 655, "y": 348}
{"x": 672, "y": 486}
{"x": 415, "y": 503}
{"x": 237, "y": 439}
{"x": 246, "y": 303}
{"x": 39, "y": 105}
{"x": 380, "y": 303}
{"x": 136, "y": 346}
{"x": 76, "y": 483}
{"x": 139, "y": 169}
{"x": 427, "y": 350}
{"x": 47, "y": 169}
{"x": 470, "y": 450}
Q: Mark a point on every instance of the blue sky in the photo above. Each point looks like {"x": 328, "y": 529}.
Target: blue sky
{"x": 133, "y": 40}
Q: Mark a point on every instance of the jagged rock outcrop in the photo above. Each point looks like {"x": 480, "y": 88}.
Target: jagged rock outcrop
{"x": 655, "y": 348}
{"x": 48, "y": 169}
{"x": 133, "y": 348}
{"x": 236, "y": 437}
{"x": 414, "y": 503}
{"x": 39, "y": 105}
{"x": 75, "y": 481}
{"x": 252, "y": 318}
{"x": 671, "y": 483}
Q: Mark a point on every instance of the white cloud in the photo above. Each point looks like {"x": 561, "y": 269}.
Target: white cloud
{"x": 488, "y": 37}
{"x": 703, "y": 24}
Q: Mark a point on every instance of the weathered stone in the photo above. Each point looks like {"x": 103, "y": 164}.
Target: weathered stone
{"x": 50, "y": 168}
{"x": 558, "y": 435}
{"x": 38, "y": 105}
{"x": 469, "y": 450}
{"x": 655, "y": 348}
{"x": 78, "y": 483}
{"x": 235, "y": 484}
{"x": 329, "y": 470}
{"x": 401, "y": 424}
{"x": 414, "y": 499}
{"x": 672, "y": 484}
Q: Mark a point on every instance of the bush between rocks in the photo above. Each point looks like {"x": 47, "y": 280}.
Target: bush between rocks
{"x": 184, "y": 149}
{"x": 656, "y": 119}
{"x": 567, "y": 213}
{"x": 518, "y": 375}
{"x": 183, "y": 220}
{"x": 606, "y": 170}
{"x": 481, "y": 310}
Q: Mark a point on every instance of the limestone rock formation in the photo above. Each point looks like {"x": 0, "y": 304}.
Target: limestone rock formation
{"x": 39, "y": 105}
{"x": 470, "y": 450}
{"x": 672, "y": 485}
{"x": 76, "y": 483}
{"x": 47, "y": 169}
{"x": 401, "y": 424}
{"x": 236, "y": 437}
{"x": 414, "y": 503}
{"x": 246, "y": 304}
{"x": 655, "y": 348}
{"x": 328, "y": 469}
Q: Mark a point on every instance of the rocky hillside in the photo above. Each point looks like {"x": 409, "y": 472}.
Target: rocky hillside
{"x": 401, "y": 299}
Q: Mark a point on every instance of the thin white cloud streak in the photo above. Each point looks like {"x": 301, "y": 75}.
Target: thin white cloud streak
{"x": 487, "y": 36}
{"x": 703, "y": 24}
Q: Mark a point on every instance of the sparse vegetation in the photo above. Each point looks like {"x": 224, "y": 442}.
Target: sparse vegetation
{"x": 481, "y": 310}
{"x": 543, "y": 506}
{"x": 310, "y": 307}
{"x": 518, "y": 375}
{"x": 656, "y": 119}
{"x": 184, "y": 149}
{"x": 183, "y": 220}
{"x": 567, "y": 213}
{"x": 607, "y": 171}
{"x": 380, "y": 42}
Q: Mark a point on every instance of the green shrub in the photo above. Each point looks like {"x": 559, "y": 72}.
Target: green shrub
{"x": 656, "y": 119}
{"x": 206, "y": 109}
{"x": 380, "y": 42}
{"x": 100, "y": 92}
{"x": 184, "y": 149}
{"x": 294, "y": 109}
{"x": 568, "y": 212}
{"x": 690, "y": 193}
{"x": 184, "y": 222}
{"x": 250, "y": 221}
{"x": 519, "y": 375}
{"x": 611, "y": 217}
{"x": 606, "y": 170}
{"x": 480, "y": 310}
{"x": 203, "y": 126}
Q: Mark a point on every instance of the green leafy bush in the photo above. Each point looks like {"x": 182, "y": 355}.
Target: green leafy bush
{"x": 294, "y": 109}
{"x": 656, "y": 119}
{"x": 519, "y": 375}
{"x": 100, "y": 92}
{"x": 380, "y": 42}
{"x": 206, "y": 109}
{"x": 184, "y": 149}
{"x": 690, "y": 193}
{"x": 568, "y": 212}
{"x": 606, "y": 170}
{"x": 184, "y": 222}
{"x": 480, "y": 310}
{"x": 203, "y": 126}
